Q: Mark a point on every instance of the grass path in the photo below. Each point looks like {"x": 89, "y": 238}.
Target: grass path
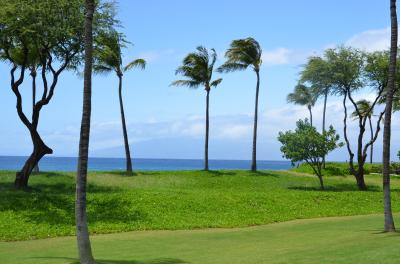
{"x": 355, "y": 239}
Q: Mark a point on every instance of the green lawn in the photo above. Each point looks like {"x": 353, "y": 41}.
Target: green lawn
{"x": 180, "y": 200}
{"x": 331, "y": 240}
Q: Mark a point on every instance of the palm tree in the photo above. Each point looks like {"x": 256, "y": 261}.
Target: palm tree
{"x": 387, "y": 203}
{"x": 316, "y": 73}
{"x": 82, "y": 232}
{"x": 303, "y": 95}
{"x": 244, "y": 53}
{"x": 33, "y": 65}
{"x": 108, "y": 58}
{"x": 198, "y": 68}
{"x": 366, "y": 111}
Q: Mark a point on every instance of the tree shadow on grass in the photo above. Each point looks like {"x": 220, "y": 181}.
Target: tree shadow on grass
{"x": 54, "y": 203}
{"x": 336, "y": 188}
{"x": 135, "y": 173}
{"x": 108, "y": 261}
{"x": 220, "y": 173}
{"x": 264, "y": 173}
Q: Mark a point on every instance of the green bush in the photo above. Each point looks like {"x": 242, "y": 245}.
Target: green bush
{"x": 332, "y": 169}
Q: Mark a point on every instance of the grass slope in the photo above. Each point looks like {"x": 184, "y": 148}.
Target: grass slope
{"x": 179, "y": 200}
{"x": 354, "y": 239}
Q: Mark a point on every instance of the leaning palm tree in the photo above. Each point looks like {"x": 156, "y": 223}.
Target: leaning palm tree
{"x": 82, "y": 230}
{"x": 108, "y": 58}
{"x": 303, "y": 95}
{"x": 391, "y": 87}
{"x": 244, "y": 53}
{"x": 366, "y": 111}
{"x": 198, "y": 68}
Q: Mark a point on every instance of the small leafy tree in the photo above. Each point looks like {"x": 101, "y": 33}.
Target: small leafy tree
{"x": 307, "y": 144}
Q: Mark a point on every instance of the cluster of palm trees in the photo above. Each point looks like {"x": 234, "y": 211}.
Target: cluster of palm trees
{"x": 198, "y": 68}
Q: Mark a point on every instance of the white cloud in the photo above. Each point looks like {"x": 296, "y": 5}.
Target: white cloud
{"x": 371, "y": 40}
{"x": 277, "y": 56}
{"x": 234, "y": 131}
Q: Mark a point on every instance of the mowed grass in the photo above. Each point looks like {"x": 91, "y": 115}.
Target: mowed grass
{"x": 354, "y": 239}
{"x": 180, "y": 200}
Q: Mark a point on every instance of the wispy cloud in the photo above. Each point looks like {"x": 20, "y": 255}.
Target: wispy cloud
{"x": 371, "y": 40}
{"x": 277, "y": 56}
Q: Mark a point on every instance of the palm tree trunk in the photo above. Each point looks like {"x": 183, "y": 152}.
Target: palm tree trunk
{"x": 82, "y": 231}
{"x": 372, "y": 138}
{"x": 254, "y": 153}
{"x": 389, "y": 223}
{"x": 124, "y": 130}
{"x": 207, "y": 130}
{"x": 309, "y": 109}
{"x": 33, "y": 74}
{"x": 323, "y": 120}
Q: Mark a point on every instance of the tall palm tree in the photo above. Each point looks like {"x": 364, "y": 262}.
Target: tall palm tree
{"x": 244, "y": 53}
{"x": 366, "y": 111}
{"x": 82, "y": 231}
{"x": 317, "y": 73}
{"x": 33, "y": 65}
{"x": 108, "y": 58}
{"x": 387, "y": 203}
{"x": 303, "y": 95}
{"x": 198, "y": 68}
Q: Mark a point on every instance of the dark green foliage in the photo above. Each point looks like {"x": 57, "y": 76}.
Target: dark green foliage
{"x": 198, "y": 68}
{"x": 241, "y": 54}
{"x": 337, "y": 169}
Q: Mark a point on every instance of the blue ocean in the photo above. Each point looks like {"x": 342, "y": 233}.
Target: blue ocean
{"x": 109, "y": 164}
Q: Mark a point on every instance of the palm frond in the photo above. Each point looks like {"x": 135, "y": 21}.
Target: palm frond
{"x": 189, "y": 83}
{"x": 197, "y": 67}
{"x": 302, "y": 95}
{"x": 101, "y": 69}
{"x": 364, "y": 108}
{"x": 231, "y": 66}
{"x": 138, "y": 63}
{"x": 242, "y": 52}
{"x": 216, "y": 82}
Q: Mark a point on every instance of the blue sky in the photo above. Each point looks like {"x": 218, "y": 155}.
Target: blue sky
{"x": 168, "y": 122}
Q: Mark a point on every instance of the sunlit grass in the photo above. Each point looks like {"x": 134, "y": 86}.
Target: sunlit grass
{"x": 179, "y": 200}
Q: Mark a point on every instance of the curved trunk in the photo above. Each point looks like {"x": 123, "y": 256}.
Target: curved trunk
{"x": 39, "y": 150}
{"x": 372, "y": 138}
{"x": 310, "y": 111}
{"x": 207, "y": 130}
{"x": 33, "y": 74}
{"x": 387, "y": 203}
{"x": 124, "y": 130}
{"x": 254, "y": 153}
{"x": 321, "y": 182}
{"x": 82, "y": 231}
{"x": 323, "y": 120}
